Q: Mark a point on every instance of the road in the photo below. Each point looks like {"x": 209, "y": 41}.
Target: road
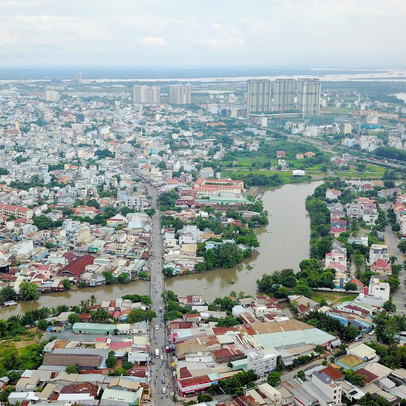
{"x": 399, "y": 297}
{"x": 160, "y": 366}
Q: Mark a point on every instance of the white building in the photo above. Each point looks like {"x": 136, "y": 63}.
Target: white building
{"x": 378, "y": 251}
{"x": 378, "y": 293}
{"x": 189, "y": 235}
{"x": 262, "y": 362}
{"x": 324, "y": 388}
{"x": 270, "y": 393}
{"x": 51, "y": 96}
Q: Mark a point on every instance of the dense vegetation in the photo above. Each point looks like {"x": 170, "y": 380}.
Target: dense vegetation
{"x": 387, "y": 326}
{"x": 331, "y": 325}
{"x": 311, "y": 275}
{"x": 391, "y": 153}
{"x": 167, "y": 200}
{"x": 392, "y": 356}
{"x": 235, "y": 384}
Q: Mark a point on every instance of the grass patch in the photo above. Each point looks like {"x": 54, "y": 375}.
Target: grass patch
{"x": 375, "y": 168}
{"x": 359, "y": 175}
{"x": 333, "y": 296}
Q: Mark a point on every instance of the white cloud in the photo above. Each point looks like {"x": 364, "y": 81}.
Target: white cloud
{"x": 258, "y": 32}
{"x": 153, "y": 41}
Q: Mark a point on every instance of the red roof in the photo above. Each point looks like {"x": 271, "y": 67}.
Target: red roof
{"x": 77, "y": 266}
{"x": 381, "y": 264}
{"x": 184, "y": 373}
{"x": 70, "y": 256}
{"x": 219, "y": 331}
{"x": 195, "y": 380}
{"x": 369, "y": 375}
{"x": 356, "y": 281}
{"x": 115, "y": 346}
{"x": 333, "y": 373}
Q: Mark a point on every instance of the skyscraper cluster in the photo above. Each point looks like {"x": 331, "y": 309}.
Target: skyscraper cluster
{"x": 288, "y": 95}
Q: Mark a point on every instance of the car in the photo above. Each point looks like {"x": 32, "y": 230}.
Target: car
{"x": 371, "y": 333}
{"x": 164, "y": 390}
{"x": 157, "y": 327}
{"x": 162, "y": 357}
{"x": 163, "y": 381}
{"x": 358, "y": 338}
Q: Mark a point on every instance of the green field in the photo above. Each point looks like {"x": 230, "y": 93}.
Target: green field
{"x": 333, "y": 297}
{"x": 360, "y": 175}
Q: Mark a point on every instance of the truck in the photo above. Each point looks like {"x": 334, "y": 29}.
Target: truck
{"x": 157, "y": 353}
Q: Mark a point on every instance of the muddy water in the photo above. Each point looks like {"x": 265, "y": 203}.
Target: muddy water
{"x": 75, "y": 296}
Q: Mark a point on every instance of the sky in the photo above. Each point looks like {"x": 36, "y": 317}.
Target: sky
{"x": 314, "y": 33}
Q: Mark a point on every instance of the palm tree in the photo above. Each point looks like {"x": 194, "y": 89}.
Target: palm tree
{"x": 93, "y": 300}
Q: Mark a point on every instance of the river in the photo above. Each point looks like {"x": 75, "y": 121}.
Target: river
{"x": 284, "y": 242}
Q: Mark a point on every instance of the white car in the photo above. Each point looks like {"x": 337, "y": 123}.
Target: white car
{"x": 157, "y": 327}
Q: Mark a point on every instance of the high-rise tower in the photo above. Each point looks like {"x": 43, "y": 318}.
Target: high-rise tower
{"x": 308, "y": 96}
{"x": 259, "y": 95}
{"x": 146, "y": 94}
{"x": 180, "y": 94}
{"x": 284, "y": 94}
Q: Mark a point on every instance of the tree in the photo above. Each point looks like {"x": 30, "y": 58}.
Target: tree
{"x": 355, "y": 379}
{"x": 29, "y": 291}
{"x": 73, "y": 369}
{"x": 48, "y": 245}
{"x": 150, "y": 212}
{"x": 319, "y": 349}
{"x": 66, "y": 284}
{"x": 42, "y": 324}
{"x": 138, "y": 315}
{"x": 302, "y": 288}
{"x": 204, "y": 398}
{"x": 93, "y": 300}
{"x": 274, "y": 378}
{"x": 93, "y": 203}
{"x": 73, "y": 318}
{"x": 323, "y": 302}
{"x": 389, "y": 306}
{"x": 111, "y": 360}
{"x": 108, "y": 275}
{"x": 146, "y": 300}
{"x": 100, "y": 315}
{"x": 7, "y": 293}
{"x": 402, "y": 246}
{"x": 162, "y": 165}
{"x": 350, "y": 286}
{"x": 123, "y": 278}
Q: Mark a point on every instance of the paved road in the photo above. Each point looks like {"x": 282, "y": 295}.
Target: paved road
{"x": 160, "y": 366}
